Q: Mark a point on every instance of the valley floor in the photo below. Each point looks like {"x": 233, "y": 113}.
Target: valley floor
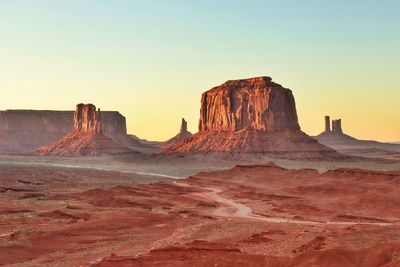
{"x": 258, "y": 215}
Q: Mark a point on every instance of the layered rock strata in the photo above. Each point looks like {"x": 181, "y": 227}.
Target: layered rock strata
{"x": 253, "y": 115}
{"x": 182, "y": 135}
{"x": 23, "y": 131}
{"x": 86, "y": 138}
{"x": 256, "y": 103}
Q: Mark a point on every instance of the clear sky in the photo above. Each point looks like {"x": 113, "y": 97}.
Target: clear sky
{"x": 151, "y": 60}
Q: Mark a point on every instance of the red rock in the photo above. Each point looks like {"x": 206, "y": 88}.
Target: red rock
{"x": 182, "y": 135}
{"x": 23, "y": 131}
{"x": 86, "y": 138}
{"x": 256, "y": 103}
{"x": 87, "y": 119}
{"x": 251, "y": 115}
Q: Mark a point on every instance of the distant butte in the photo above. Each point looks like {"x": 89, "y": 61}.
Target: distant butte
{"x": 335, "y": 138}
{"x": 253, "y": 115}
{"x": 86, "y": 138}
{"x": 24, "y": 131}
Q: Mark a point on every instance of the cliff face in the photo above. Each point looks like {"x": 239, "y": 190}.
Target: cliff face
{"x": 254, "y": 116}
{"x": 86, "y": 138}
{"x": 87, "y": 119}
{"x": 256, "y": 103}
{"x": 337, "y": 126}
{"x": 23, "y": 131}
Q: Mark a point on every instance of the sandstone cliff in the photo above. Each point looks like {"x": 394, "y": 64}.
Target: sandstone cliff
{"x": 23, "y": 131}
{"x": 253, "y": 115}
{"x": 86, "y": 138}
{"x": 256, "y": 103}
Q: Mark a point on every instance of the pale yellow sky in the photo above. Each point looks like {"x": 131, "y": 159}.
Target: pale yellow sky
{"x": 151, "y": 60}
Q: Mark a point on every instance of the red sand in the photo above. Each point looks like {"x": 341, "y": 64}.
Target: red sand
{"x": 71, "y": 217}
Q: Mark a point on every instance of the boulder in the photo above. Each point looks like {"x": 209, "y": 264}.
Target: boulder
{"x": 87, "y": 119}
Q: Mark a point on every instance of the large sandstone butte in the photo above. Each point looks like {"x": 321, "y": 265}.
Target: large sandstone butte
{"x": 182, "y": 135}
{"x": 23, "y": 131}
{"x": 86, "y": 138}
{"x": 256, "y": 103}
{"x": 253, "y": 115}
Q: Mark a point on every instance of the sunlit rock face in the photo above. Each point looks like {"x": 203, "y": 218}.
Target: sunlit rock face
{"x": 23, "y": 131}
{"x": 256, "y": 103}
{"x": 86, "y": 138}
{"x": 253, "y": 115}
{"x": 87, "y": 119}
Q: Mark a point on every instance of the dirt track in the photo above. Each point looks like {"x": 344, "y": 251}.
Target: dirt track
{"x": 254, "y": 215}
{"x": 232, "y": 209}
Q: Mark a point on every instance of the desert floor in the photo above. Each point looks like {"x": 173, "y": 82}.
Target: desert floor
{"x": 125, "y": 211}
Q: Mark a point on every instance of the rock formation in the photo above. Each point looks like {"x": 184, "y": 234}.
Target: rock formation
{"x": 337, "y": 126}
{"x": 253, "y": 115}
{"x": 327, "y": 124}
{"x": 183, "y": 126}
{"x": 86, "y": 138}
{"x": 182, "y": 135}
{"x": 256, "y": 103}
{"x": 347, "y": 144}
{"x": 23, "y": 131}
{"x": 87, "y": 119}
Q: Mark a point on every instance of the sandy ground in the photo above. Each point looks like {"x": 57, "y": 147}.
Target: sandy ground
{"x": 53, "y": 213}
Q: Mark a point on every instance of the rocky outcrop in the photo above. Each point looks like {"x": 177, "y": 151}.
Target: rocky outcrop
{"x": 182, "y": 135}
{"x": 86, "y": 138}
{"x": 87, "y": 119}
{"x": 183, "y": 126}
{"x": 327, "y": 124}
{"x": 347, "y": 144}
{"x": 23, "y": 131}
{"x": 337, "y": 126}
{"x": 256, "y": 103}
{"x": 253, "y": 115}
